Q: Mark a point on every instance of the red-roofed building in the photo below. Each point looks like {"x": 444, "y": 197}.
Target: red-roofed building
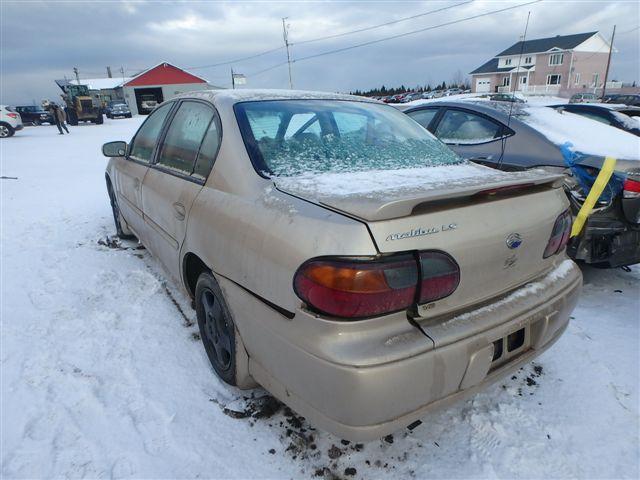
{"x": 159, "y": 83}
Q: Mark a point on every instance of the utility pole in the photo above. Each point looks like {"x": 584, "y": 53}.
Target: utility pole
{"x": 233, "y": 80}
{"x": 109, "y": 72}
{"x": 122, "y": 72}
{"x": 75, "y": 70}
{"x": 285, "y": 34}
{"x": 606, "y": 73}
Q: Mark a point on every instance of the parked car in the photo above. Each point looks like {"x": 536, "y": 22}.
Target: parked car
{"x": 299, "y": 223}
{"x": 505, "y": 97}
{"x": 622, "y": 117}
{"x": 10, "y": 122}
{"x": 583, "y": 98}
{"x": 629, "y": 99}
{"x": 453, "y": 91}
{"x": 410, "y": 97}
{"x": 34, "y": 115}
{"x": 118, "y": 110}
{"x": 484, "y": 132}
{"x": 148, "y": 103}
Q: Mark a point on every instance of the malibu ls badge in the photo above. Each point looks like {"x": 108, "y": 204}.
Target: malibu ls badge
{"x": 421, "y": 232}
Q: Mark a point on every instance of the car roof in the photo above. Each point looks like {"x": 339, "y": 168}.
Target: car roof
{"x": 499, "y": 110}
{"x": 250, "y": 95}
{"x": 604, "y": 106}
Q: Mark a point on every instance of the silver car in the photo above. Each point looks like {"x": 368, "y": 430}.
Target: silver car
{"x": 341, "y": 256}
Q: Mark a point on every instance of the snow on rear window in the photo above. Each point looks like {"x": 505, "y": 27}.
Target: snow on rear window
{"x": 295, "y": 137}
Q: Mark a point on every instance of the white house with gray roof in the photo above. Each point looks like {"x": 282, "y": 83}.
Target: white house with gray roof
{"x": 563, "y": 64}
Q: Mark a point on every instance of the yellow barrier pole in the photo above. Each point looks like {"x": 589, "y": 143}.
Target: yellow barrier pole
{"x": 596, "y": 190}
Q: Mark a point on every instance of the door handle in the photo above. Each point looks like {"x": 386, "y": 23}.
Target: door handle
{"x": 179, "y": 211}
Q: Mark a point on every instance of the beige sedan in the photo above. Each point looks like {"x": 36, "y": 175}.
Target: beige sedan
{"x": 341, "y": 256}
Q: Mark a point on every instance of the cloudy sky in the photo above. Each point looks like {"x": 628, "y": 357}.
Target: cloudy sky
{"x": 44, "y": 40}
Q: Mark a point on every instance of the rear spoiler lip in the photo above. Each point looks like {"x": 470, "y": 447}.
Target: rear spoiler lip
{"x": 371, "y": 210}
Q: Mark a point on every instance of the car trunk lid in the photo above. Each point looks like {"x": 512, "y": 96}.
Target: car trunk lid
{"x": 495, "y": 224}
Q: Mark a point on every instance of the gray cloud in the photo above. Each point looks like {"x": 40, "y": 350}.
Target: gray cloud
{"x": 42, "y": 41}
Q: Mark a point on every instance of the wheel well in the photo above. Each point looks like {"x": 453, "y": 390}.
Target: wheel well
{"x": 192, "y": 268}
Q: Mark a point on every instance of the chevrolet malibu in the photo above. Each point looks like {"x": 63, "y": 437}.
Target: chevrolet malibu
{"x": 342, "y": 257}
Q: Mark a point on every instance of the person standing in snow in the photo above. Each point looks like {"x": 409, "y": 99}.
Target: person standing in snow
{"x": 59, "y": 117}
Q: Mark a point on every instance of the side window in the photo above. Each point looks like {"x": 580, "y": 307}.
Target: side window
{"x": 351, "y": 125}
{"x": 208, "y": 152}
{"x": 303, "y": 123}
{"x": 424, "y": 117}
{"x": 145, "y": 140}
{"x": 184, "y": 136}
{"x": 460, "y": 127}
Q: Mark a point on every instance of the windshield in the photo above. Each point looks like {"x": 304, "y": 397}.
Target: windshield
{"x": 294, "y": 137}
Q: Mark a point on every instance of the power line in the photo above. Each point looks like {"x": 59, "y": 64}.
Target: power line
{"x": 327, "y": 37}
{"x": 413, "y": 32}
{"x": 392, "y": 37}
{"x": 629, "y": 31}
{"x": 237, "y": 60}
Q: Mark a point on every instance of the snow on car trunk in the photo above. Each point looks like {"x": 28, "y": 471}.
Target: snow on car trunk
{"x": 587, "y": 136}
{"x": 101, "y": 375}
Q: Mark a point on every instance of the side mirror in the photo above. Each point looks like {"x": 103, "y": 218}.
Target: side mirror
{"x": 114, "y": 149}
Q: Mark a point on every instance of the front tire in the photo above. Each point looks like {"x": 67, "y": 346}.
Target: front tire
{"x": 122, "y": 229}
{"x": 99, "y": 119}
{"x": 36, "y": 123}
{"x": 6, "y": 130}
{"x": 217, "y": 329}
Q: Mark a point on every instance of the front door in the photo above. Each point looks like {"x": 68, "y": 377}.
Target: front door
{"x": 171, "y": 185}
{"x": 130, "y": 171}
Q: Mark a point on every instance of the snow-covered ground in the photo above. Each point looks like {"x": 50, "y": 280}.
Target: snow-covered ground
{"x": 102, "y": 374}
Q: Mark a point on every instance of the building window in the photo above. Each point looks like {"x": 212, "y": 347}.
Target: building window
{"x": 577, "y": 79}
{"x": 553, "y": 79}
{"x": 506, "y": 81}
{"x": 523, "y": 80}
{"x": 527, "y": 60}
{"x": 556, "y": 59}
{"x": 507, "y": 61}
{"x": 595, "y": 79}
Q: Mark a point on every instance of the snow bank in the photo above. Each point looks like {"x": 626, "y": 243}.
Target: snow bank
{"x": 586, "y": 135}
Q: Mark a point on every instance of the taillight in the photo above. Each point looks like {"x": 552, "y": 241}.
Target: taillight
{"x": 353, "y": 288}
{"x": 631, "y": 188}
{"x": 12, "y": 115}
{"x": 440, "y": 276}
{"x": 559, "y": 235}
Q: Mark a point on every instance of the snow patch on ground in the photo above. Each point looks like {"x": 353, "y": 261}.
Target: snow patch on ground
{"x": 103, "y": 374}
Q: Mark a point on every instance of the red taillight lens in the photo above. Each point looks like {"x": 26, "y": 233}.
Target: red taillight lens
{"x": 356, "y": 289}
{"x": 440, "y": 276}
{"x": 12, "y": 115}
{"x": 559, "y": 235}
{"x": 631, "y": 188}
{"x": 351, "y": 288}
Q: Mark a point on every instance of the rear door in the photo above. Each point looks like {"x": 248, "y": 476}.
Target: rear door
{"x": 177, "y": 176}
{"x": 130, "y": 171}
{"x": 471, "y": 135}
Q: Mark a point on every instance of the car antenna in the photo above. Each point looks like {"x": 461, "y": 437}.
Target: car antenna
{"x": 513, "y": 93}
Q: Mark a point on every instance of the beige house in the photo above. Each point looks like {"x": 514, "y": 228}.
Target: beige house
{"x": 557, "y": 65}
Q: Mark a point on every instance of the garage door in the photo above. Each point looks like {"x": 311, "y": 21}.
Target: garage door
{"x": 483, "y": 85}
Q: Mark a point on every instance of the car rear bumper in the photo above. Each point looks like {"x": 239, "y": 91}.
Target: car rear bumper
{"x": 385, "y": 379}
{"x": 18, "y": 127}
{"x": 607, "y": 242}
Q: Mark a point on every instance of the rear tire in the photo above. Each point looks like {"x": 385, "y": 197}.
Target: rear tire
{"x": 217, "y": 329}
{"x": 122, "y": 229}
{"x": 100, "y": 120}
{"x": 6, "y": 130}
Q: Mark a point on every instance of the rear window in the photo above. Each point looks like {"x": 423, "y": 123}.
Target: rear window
{"x": 294, "y": 137}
